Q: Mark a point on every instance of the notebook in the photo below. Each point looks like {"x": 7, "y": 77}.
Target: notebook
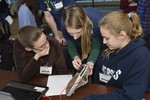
{"x": 23, "y": 91}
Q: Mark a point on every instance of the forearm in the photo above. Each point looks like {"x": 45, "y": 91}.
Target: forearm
{"x": 93, "y": 56}
{"x": 95, "y": 49}
{"x": 52, "y": 24}
{"x": 26, "y": 67}
{"x": 72, "y": 49}
{"x": 29, "y": 70}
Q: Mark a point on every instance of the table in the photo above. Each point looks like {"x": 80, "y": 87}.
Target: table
{"x": 6, "y": 76}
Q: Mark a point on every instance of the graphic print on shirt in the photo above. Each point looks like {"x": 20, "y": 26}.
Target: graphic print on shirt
{"x": 108, "y": 73}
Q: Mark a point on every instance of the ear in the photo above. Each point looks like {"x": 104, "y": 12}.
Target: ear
{"x": 28, "y": 49}
{"x": 122, "y": 35}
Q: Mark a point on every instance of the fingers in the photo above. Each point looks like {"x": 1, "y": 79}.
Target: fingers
{"x": 61, "y": 40}
{"x": 91, "y": 66}
{"x": 43, "y": 52}
{"x": 58, "y": 38}
{"x": 90, "y": 72}
{"x": 77, "y": 63}
{"x": 64, "y": 41}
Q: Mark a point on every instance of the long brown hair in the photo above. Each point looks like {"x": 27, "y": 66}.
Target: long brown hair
{"x": 75, "y": 17}
{"x": 28, "y": 35}
{"x": 117, "y": 21}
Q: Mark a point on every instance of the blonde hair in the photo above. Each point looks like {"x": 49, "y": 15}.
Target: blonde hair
{"x": 75, "y": 17}
{"x": 117, "y": 21}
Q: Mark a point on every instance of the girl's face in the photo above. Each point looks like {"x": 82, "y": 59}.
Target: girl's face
{"x": 41, "y": 44}
{"x": 75, "y": 33}
{"x": 113, "y": 41}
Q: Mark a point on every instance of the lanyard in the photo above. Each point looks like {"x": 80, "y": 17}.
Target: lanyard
{"x": 47, "y": 4}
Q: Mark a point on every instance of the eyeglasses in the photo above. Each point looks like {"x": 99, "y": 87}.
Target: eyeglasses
{"x": 42, "y": 46}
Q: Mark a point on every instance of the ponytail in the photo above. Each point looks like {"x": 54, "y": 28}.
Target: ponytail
{"x": 136, "y": 26}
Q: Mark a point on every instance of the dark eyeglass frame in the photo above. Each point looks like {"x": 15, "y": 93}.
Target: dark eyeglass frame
{"x": 39, "y": 48}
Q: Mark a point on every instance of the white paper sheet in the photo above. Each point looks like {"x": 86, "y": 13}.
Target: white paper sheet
{"x": 57, "y": 83}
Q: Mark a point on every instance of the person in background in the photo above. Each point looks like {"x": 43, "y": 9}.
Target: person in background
{"x": 27, "y": 12}
{"x": 34, "y": 53}
{"x": 128, "y": 5}
{"x": 143, "y": 11}
{"x": 82, "y": 35}
{"x": 4, "y": 11}
{"x": 53, "y": 12}
{"x": 122, "y": 64}
{"x": 6, "y": 52}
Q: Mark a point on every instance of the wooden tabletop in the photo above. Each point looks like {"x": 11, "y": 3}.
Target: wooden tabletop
{"x": 6, "y": 76}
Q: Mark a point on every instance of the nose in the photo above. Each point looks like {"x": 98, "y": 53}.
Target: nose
{"x": 104, "y": 41}
{"x": 75, "y": 36}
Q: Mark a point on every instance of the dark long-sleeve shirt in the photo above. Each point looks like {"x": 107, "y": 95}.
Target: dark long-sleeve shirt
{"x": 128, "y": 70}
{"x": 28, "y": 67}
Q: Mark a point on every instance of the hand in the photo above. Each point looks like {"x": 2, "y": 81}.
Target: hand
{"x": 77, "y": 63}
{"x": 91, "y": 66}
{"x": 60, "y": 38}
{"x": 41, "y": 53}
{"x": 63, "y": 41}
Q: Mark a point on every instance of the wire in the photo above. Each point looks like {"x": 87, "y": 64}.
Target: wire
{"x": 69, "y": 86}
{"x": 47, "y": 97}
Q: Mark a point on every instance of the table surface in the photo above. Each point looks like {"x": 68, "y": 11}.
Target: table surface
{"x": 6, "y": 76}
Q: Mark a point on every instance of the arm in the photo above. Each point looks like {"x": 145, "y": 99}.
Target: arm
{"x": 50, "y": 21}
{"x": 95, "y": 49}
{"x": 52, "y": 24}
{"x": 24, "y": 64}
{"x": 72, "y": 49}
{"x": 74, "y": 54}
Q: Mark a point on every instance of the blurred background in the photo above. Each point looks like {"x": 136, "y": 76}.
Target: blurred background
{"x": 104, "y": 6}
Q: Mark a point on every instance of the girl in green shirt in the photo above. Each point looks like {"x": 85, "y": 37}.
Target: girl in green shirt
{"x": 82, "y": 35}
